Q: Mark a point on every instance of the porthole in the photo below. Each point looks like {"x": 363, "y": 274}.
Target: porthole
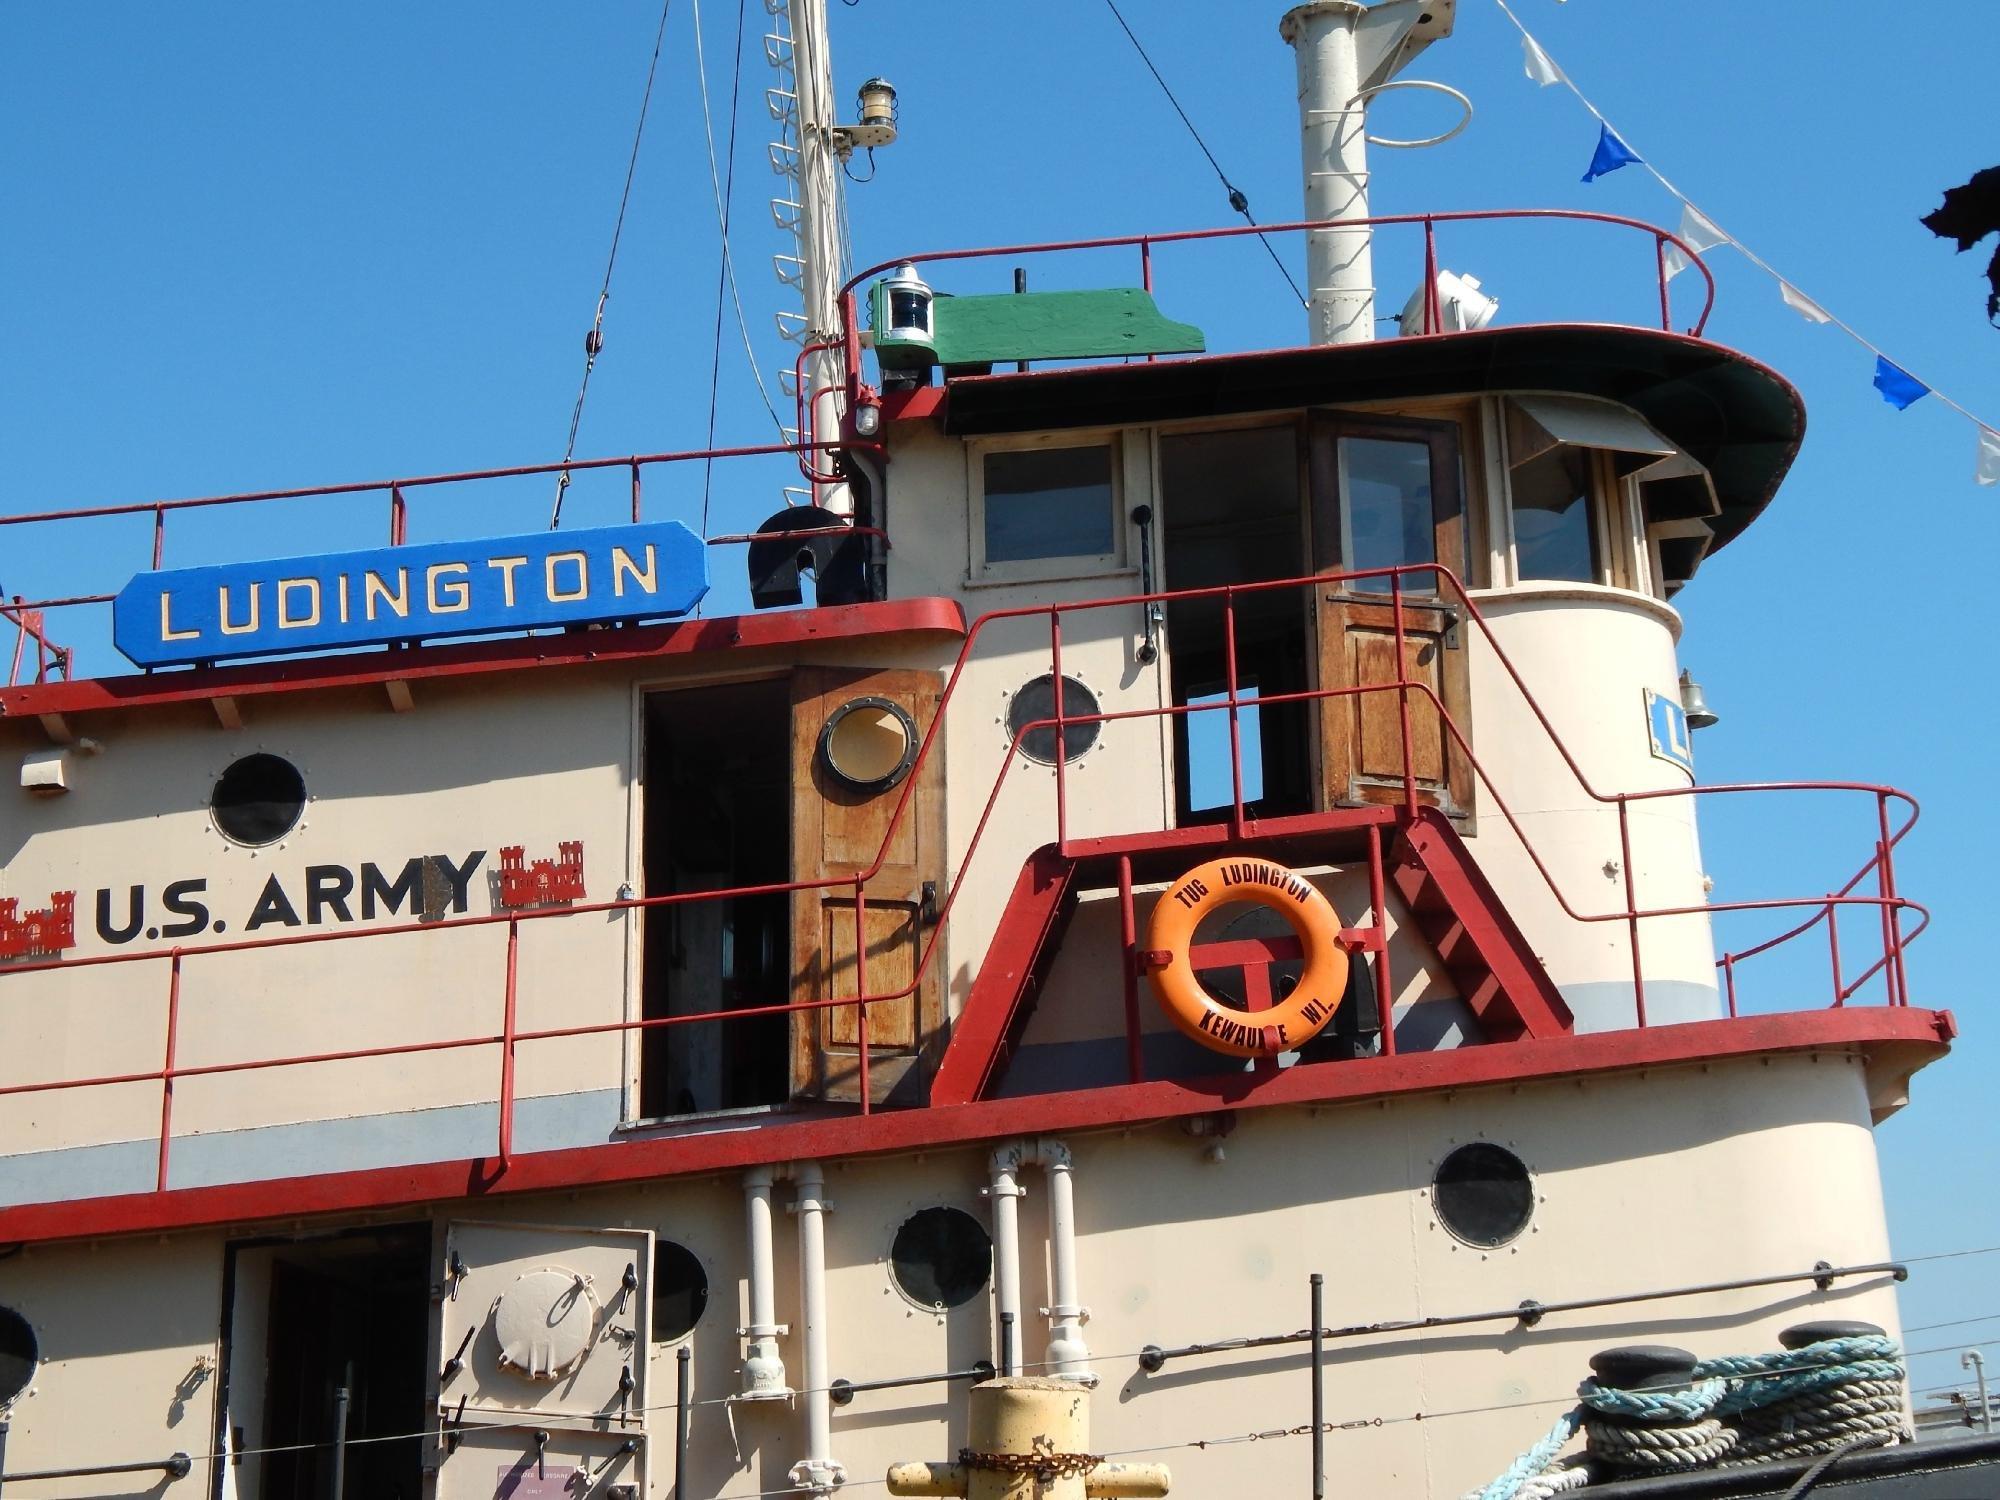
{"x": 680, "y": 1291}
{"x": 942, "y": 1257}
{"x": 1483, "y": 1194}
{"x": 1035, "y": 700}
{"x": 19, "y": 1354}
{"x": 258, "y": 800}
{"x": 869, "y": 743}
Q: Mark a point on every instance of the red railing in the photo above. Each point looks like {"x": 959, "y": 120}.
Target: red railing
{"x": 394, "y": 494}
{"x": 851, "y": 318}
{"x": 510, "y": 1036}
{"x": 1145, "y": 244}
{"x": 27, "y": 620}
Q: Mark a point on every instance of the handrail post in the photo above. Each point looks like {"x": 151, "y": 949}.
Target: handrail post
{"x": 851, "y": 333}
{"x": 507, "y": 1028}
{"x": 1385, "y": 992}
{"x": 1145, "y": 280}
{"x": 1433, "y": 311}
{"x": 20, "y": 642}
{"x": 861, "y": 987}
{"x": 1128, "y": 935}
{"x": 1660, "y": 267}
{"x": 1833, "y": 948}
{"x": 159, "y": 535}
{"x": 1631, "y": 910}
{"x": 635, "y": 492}
{"x": 1729, "y": 981}
{"x": 167, "y": 1069}
{"x": 1235, "y": 723}
{"x": 399, "y": 516}
{"x": 1892, "y": 917}
{"x": 1062, "y": 735}
{"x": 1403, "y": 688}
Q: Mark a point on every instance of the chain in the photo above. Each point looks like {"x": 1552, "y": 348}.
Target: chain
{"x": 1042, "y": 1461}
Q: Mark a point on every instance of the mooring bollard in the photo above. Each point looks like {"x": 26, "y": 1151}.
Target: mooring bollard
{"x": 1029, "y": 1440}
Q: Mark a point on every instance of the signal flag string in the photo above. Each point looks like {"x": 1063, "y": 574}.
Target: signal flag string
{"x": 1898, "y": 386}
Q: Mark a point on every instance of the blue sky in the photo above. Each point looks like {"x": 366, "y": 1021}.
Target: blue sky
{"x": 252, "y": 247}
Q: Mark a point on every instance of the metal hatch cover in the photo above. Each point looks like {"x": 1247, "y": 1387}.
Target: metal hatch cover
{"x": 545, "y": 1322}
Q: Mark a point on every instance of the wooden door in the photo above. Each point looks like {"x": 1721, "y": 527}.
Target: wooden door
{"x": 1385, "y": 493}
{"x": 837, "y": 829}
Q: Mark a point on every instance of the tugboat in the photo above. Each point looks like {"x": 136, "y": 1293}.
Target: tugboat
{"x": 1168, "y": 951}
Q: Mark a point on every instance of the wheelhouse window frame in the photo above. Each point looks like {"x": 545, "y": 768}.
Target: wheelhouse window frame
{"x": 1617, "y": 455}
{"x": 1446, "y": 438}
{"x": 1129, "y": 475}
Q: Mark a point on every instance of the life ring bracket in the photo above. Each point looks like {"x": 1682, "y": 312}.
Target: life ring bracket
{"x": 1167, "y": 959}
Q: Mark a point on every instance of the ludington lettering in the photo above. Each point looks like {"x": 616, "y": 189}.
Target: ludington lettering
{"x": 654, "y": 571}
{"x": 1259, "y": 872}
{"x": 427, "y": 885}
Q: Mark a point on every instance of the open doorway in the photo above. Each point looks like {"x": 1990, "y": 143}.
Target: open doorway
{"x": 325, "y": 1357}
{"x": 1233, "y": 515}
{"x": 717, "y": 816}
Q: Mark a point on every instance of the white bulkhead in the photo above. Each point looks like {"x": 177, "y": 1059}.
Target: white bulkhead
{"x": 144, "y": 1348}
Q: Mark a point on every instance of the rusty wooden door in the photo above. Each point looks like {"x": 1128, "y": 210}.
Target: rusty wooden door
{"x": 1388, "y": 492}
{"x": 837, "y": 829}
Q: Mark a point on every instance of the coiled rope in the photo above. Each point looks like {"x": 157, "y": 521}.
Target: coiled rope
{"x": 1834, "y": 1395}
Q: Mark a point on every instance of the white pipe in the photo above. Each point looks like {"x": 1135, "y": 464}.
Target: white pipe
{"x": 1005, "y": 1191}
{"x": 817, "y": 1471}
{"x": 763, "y": 1365}
{"x": 1067, "y": 1356}
{"x": 1340, "y": 263}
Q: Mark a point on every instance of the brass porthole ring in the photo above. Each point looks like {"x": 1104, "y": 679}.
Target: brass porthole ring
{"x": 869, "y": 743}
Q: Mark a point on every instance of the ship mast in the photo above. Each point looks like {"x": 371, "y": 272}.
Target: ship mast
{"x": 1345, "y": 52}
{"x": 811, "y": 153}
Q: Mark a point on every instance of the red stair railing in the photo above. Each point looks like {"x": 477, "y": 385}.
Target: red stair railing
{"x": 509, "y": 1037}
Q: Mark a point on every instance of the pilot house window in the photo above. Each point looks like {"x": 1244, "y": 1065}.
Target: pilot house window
{"x": 1389, "y": 516}
{"x": 1050, "y": 502}
{"x": 1555, "y": 516}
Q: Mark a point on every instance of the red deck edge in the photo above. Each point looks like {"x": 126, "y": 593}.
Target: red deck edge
{"x": 1920, "y": 1035}
{"x": 928, "y": 614}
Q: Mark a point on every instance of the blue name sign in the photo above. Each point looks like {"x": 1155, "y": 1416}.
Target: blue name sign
{"x": 1667, "y": 724}
{"x": 587, "y": 577}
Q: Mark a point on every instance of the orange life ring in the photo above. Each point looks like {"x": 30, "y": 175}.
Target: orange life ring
{"x": 1290, "y": 1023}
